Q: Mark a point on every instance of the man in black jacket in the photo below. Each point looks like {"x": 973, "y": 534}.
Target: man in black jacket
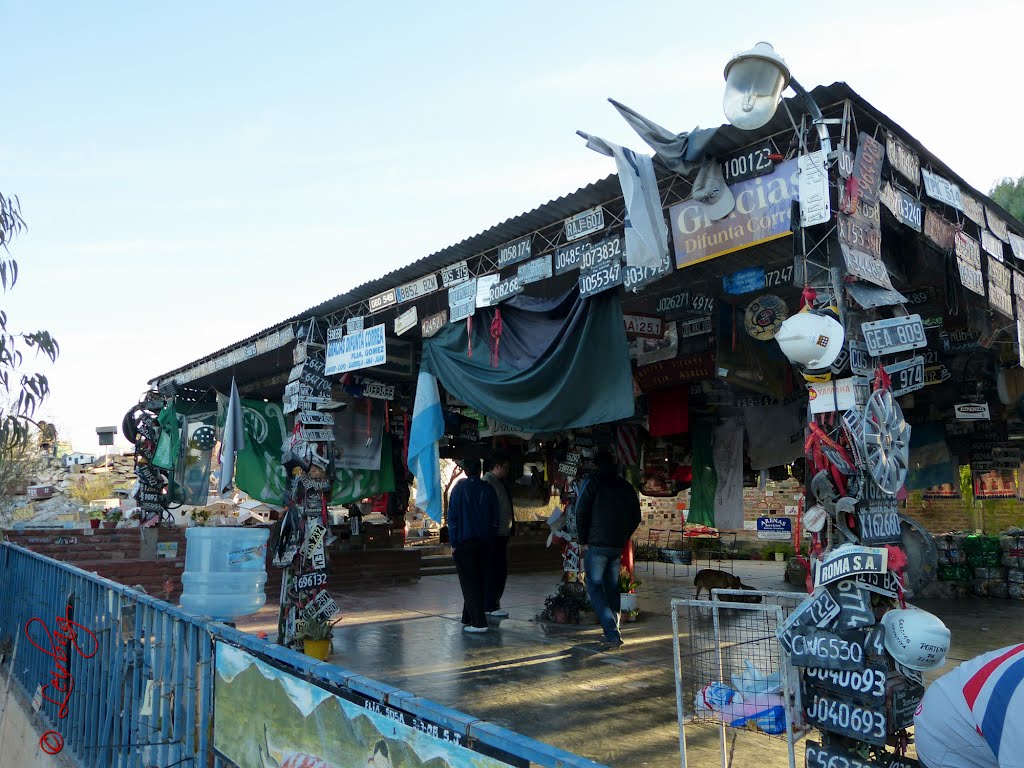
{"x": 607, "y": 513}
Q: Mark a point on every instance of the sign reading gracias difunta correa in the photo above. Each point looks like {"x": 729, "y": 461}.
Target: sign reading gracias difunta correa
{"x": 355, "y": 351}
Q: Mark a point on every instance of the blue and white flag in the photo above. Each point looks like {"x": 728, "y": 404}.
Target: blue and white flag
{"x": 427, "y": 429}
{"x": 646, "y": 232}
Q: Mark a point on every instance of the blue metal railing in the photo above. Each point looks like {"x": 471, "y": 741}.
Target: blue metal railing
{"x": 143, "y": 675}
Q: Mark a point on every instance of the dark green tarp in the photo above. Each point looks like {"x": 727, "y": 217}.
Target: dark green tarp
{"x": 559, "y": 364}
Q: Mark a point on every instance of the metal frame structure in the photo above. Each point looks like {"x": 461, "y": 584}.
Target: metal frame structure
{"x": 775, "y": 607}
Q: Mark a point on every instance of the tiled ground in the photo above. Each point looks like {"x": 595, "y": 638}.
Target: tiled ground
{"x": 548, "y": 682}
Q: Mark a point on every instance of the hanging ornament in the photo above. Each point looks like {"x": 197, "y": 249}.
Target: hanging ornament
{"x": 764, "y": 315}
{"x": 203, "y": 439}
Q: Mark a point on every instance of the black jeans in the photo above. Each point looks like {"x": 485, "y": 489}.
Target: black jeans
{"x": 498, "y": 573}
{"x": 471, "y": 563}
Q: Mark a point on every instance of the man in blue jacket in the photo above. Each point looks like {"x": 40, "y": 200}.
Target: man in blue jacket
{"x": 607, "y": 513}
{"x": 473, "y": 526}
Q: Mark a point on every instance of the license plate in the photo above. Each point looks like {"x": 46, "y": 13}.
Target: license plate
{"x": 417, "y": 288}
{"x": 568, "y": 470}
{"x": 506, "y": 289}
{"x": 597, "y": 254}
{"x": 514, "y": 252}
{"x": 461, "y": 310}
{"x": 638, "y": 277}
{"x": 860, "y": 361}
{"x": 316, "y": 417}
{"x": 534, "y": 271}
{"x": 600, "y": 279}
{"x": 865, "y": 685}
{"x": 316, "y": 435}
{"x": 906, "y": 696}
{"x": 464, "y": 292}
{"x": 748, "y": 164}
{"x": 896, "y": 334}
{"x": 823, "y": 649}
{"x": 311, "y": 580}
{"x": 818, "y": 756}
{"x": 383, "y": 300}
{"x": 378, "y": 390}
{"x": 817, "y": 609}
{"x": 906, "y": 376}
{"x": 455, "y": 274}
{"x": 879, "y": 526}
{"x": 585, "y": 223}
{"x": 848, "y": 718}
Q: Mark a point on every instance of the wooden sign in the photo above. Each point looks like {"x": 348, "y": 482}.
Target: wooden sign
{"x": 849, "y": 560}
{"x": 841, "y": 649}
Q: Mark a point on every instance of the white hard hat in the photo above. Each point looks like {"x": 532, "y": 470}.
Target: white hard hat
{"x": 915, "y": 638}
{"x": 811, "y": 339}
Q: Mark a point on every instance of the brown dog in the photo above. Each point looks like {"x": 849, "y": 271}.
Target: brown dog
{"x": 709, "y": 578}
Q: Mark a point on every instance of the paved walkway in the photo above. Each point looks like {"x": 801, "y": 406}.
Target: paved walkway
{"x": 549, "y": 682}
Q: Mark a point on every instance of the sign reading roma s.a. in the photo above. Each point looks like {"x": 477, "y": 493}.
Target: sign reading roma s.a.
{"x": 762, "y": 213}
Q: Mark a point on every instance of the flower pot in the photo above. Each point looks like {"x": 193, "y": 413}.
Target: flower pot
{"x": 318, "y": 649}
{"x": 629, "y": 601}
{"x": 560, "y": 615}
{"x": 94, "y": 523}
{"x": 780, "y": 557}
{"x": 110, "y": 523}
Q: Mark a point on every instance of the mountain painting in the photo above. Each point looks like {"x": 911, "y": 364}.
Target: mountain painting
{"x": 264, "y": 717}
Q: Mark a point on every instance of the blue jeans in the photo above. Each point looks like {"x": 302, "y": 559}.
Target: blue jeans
{"x": 601, "y": 565}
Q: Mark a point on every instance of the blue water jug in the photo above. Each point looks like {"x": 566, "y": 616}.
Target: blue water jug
{"x": 225, "y": 571}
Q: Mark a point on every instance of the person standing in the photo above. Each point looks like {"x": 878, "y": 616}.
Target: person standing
{"x": 473, "y": 527}
{"x": 973, "y": 716}
{"x": 496, "y": 476}
{"x": 607, "y": 513}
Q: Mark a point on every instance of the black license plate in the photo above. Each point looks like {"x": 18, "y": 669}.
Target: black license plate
{"x": 842, "y": 649}
{"x": 847, "y": 718}
{"x": 602, "y": 278}
{"x": 864, "y": 685}
{"x": 819, "y": 756}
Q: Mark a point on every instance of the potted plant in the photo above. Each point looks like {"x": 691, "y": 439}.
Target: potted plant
{"x": 567, "y": 605}
{"x": 111, "y": 518}
{"x": 200, "y": 515}
{"x": 628, "y": 601}
{"x": 316, "y": 637}
{"x": 94, "y": 518}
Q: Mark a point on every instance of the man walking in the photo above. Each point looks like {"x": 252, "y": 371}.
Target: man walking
{"x": 495, "y": 477}
{"x": 607, "y": 513}
{"x": 473, "y": 526}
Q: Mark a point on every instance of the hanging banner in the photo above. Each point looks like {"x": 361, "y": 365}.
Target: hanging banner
{"x": 762, "y": 214}
{"x": 903, "y": 159}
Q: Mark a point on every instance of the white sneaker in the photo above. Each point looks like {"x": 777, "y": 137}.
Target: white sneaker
{"x": 471, "y": 628}
{"x": 501, "y": 613}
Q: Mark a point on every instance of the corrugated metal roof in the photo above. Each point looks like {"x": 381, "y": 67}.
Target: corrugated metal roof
{"x": 726, "y": 140}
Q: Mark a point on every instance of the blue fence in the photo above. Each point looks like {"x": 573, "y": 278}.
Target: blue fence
{"x": 129, "y": 679}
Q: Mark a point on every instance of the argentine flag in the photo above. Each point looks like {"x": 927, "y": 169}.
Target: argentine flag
{"x": 427, "y": 429}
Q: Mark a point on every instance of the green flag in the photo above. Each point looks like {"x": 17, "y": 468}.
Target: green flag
{"x": 258, "y": 469}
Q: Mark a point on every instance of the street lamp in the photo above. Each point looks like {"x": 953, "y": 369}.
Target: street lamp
{"x": 754, "y": 82}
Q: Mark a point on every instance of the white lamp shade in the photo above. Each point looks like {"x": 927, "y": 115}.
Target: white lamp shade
{"x": 754, "y": 81}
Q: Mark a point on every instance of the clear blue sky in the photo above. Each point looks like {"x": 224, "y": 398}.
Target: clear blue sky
{"x": 192, "y": 173}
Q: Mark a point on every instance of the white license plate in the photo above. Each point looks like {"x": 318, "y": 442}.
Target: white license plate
{"x": 883, "y": 337}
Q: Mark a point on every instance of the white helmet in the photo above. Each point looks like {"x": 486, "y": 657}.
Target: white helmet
{"x": 812, "y": 339}
{"x": 915, "y": 638}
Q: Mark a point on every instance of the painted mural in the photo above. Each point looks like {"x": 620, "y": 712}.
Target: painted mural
{"x": 267, "y": 718}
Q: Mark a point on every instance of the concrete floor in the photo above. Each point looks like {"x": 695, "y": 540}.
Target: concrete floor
{"x": 550, "y": 683}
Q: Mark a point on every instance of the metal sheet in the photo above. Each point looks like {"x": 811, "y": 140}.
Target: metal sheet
{"x": 600, "y": 278}
{"x": 968, "y": 260}
{"x": 867, "y": 167}
{"x": 999, "y": 288}
{"x": 1016, "y": 245}
{"x": 535, "y": 270}
{"x": 991, "y": 245}
{"x": 417, "y": 288}
{"x": 941, "y": 189}
{"x": 865, "y": 266}
{"x": 383, "y": 300}
{"x": 406, "y": 321}
{"x": 938, "y": 230}
{"x": 871, "y": 296}
{"x": 906, "y": 375}
{"x": 997, "y": 225}
{"x": 973, "y": 209}
{"x": 903, "y": 159}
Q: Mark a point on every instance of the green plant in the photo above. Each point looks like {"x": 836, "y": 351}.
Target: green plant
{"x": 627, "y": 583}
{"x": 570, "y": 599}
{"x": 112, "y": 515}
{"x": 201, "y": 515}
{"x": 96, "y": 514}
{"x": 319, "y": 629}
{"x": 91, "y": 488}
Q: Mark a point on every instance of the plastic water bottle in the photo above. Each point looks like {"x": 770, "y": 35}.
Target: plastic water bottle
{"x": 225, "y": 571}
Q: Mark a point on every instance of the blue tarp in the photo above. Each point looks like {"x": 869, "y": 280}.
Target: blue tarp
{"x": 560, "y": 363}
